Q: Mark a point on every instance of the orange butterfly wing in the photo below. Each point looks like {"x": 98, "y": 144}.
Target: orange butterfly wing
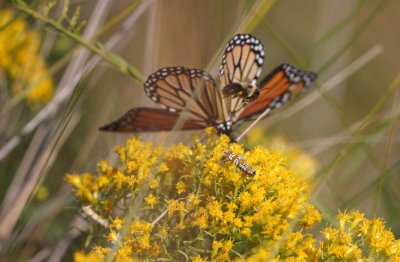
{"x": 241, "y": 64}
{"x": 150, "y": 119}
{"x": 277, "y": 88}
{"x": 180, "y": 89}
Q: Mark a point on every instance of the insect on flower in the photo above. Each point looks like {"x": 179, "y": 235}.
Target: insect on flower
{"x": 194, "y": 98}
{"x": 239, "y": 162}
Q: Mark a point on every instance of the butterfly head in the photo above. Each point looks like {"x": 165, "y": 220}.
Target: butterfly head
{"x": 224, "y": 127}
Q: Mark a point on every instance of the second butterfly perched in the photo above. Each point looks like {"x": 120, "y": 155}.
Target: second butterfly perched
{"x": 191, "y": 98}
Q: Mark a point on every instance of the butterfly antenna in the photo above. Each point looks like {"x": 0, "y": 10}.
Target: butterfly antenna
{"x": 253, "y": 124}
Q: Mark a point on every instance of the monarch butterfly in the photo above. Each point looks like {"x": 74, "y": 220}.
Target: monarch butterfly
{"x": 239, "y": 162}
{"x": 191, "y": 98}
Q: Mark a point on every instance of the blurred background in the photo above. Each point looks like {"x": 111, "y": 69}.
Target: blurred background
{"x": 342, "y": 134}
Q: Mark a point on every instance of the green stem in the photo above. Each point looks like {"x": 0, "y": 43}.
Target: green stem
{"x": 114, "y": 59}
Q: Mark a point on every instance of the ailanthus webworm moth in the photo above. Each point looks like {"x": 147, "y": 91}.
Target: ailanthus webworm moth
{"x": 239, "y": 162}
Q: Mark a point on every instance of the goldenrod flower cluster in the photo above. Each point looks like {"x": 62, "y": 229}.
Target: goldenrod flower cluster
{"x": 299, "y": 161}
{"x": 355, "y": 239}
{"x": 186, "y": 203}
{"x": 359, "y": 239}
{"x": 21, "y": 64}
{"x": 212, "y": 209}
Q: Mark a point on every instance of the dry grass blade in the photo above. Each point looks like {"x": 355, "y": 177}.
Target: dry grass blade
{"x": 325, "y": 172}
{"x": 77, "y": 226}
{"x": 33, "y": 175}
{"x": 66, "y": 88}
{"x": 111, "y": 43}
{"x": 326, "y": 87}
{"x": 388, "y": 153}
{"x": 330, "y": 84}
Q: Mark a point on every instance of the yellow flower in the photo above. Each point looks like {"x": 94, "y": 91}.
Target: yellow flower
{"x": 201, "y": 221}
{"x": 121, "y": 153}
{"x": 227, "y": 246}
{"x": 155, "y": 250}
{"x": 132, "y": 166}
{"x": 105, "y": 167}
{"x": 108, "y": 206}
{"x": 41, "y": 193}
{"x": 117, "y": 223}
{"x": 124, "y": 252}
{"x": 151, "y": 200}
{"x": 163, "y": 232}
{"x": 102, "y": 251}
{"x": 90, "y": 257}
{"x": 215, "y": 211}
{"x": 123, "y": 258}
{"x": 173, "y": 206}
{"x": 74, "y": 180}
{"x": 248, "y": 221}
{"x": 246, "y": 232}
{"x": 343, "y": 219}
{"x": 142, "y": 227}
{"x": 154, "y": 184}
{"x": 121, "y": 180}
{"x": 180, "y": 187}
{"x": 207, "y": 180}
{"x": 192, "y": 201}
{"x": 299, "y": 161}
{"x": 180, "y": 226}
{"x": 198, "y": 259}
{"x": 211, "y": 131}
{"x": 85, "y": 195}
{"x": 20, "y": 59}
{"x": 102, "y": 181}
{"x": 42, "y": 91}
{"x": 112, "y": 236}
{"x": 359, "y": 238}
{"x": 246, "y": 200}
{"x": 85, "y": 188}
{"x": 144, "y": 242}
{"x": 357, "y": 218}
{"x": 216, "y": 246}
{"x": 310, "y": 217}
{"x": 260, "y": 255}
{"x": 199, "y": 199}
{"x": 228, "y": 217}
{"x": 163, "y": 168}
{"x": 237, "y": 222}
